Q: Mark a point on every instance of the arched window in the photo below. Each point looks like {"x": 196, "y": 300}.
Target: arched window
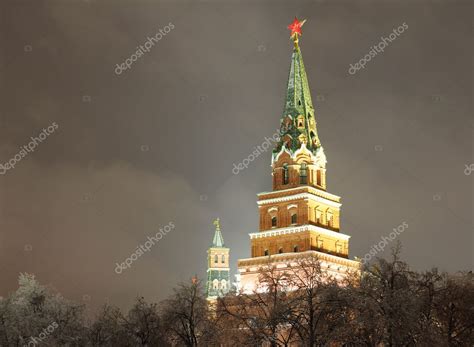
{"x": 274, "y": 221}
{"x": 223, "y": 259}
{"x": 318, "y": 177}
{"x": 295, "y": 248}
{"x": 223, "y": 284}
{"x": 285, "y": 173}
{"x": 329, "y": 218}
{"x": 266, "y": 252}
{"x": 300, "y": 121}
{"x": 280, "y": 250}
{"x": 317, "y": 213}
{"x": 303, "y": 174}
{"x": 320, "y": 243}
{"x": 215, "y": 284}
{"x": 294, "y": 218}
{"x": 216, "y": 259}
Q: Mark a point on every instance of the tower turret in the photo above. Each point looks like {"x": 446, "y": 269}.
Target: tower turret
{"x": 218, "y": 277}
{"x": 298, "y": 158}
{"x": 299, "y": 219}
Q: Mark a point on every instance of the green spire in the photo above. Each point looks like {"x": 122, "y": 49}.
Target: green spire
{"x": 298, "y": 123}
{"x": 218, "y": 240}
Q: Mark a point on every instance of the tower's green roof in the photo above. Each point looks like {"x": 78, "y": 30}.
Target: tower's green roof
{"x": 218, "y": 240}
{"x": 298, "y": 104}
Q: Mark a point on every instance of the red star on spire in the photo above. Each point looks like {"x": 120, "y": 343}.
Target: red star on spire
{"x": 295, "y": 27}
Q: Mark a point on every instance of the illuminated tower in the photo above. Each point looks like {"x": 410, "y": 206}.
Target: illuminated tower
{"x": 218, "y": 278}
{"x": 298, "y": 218}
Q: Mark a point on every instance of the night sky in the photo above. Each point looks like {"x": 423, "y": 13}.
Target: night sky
{"x": 157, "y": 143}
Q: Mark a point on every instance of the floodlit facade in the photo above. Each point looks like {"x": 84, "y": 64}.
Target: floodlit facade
{"x": 299, "y": 218}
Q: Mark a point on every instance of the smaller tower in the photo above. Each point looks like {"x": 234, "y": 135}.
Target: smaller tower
{"x": 218, "y": 277}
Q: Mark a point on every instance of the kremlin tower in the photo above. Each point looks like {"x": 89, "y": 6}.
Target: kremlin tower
{"x": 218, "y": 277}
{"x": 299, "y": 218}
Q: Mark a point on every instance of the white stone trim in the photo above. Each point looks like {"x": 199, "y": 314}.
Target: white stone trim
{"x": 218, "y": 268}
{"x": 274, "y": 208}
{"x": 300, "y": 196}
{"x": 283, "y": 149}
{"x": 298, "y": 229}
{"x": 253, "y": 264}
{"x": 314, "y": 190}
{"x": 304, "y": 150}
{"x": 292, "y": 206}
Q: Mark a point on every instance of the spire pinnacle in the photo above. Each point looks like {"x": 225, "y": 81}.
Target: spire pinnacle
{"x": 218, "y": 240}
{"x": 298, "y": 122}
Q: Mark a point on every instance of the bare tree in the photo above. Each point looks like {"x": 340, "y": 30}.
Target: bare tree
{"x": 38, "y": 313}
{"x": 107, "y": 329}
{"x": 388, "y": 295}
{"x": 319, "y": 303}
{"x": 454, "y": 309}
{"x": 186, "y": 316}
{"x": 263, "y": 315}
{"x": 142, "y": 323}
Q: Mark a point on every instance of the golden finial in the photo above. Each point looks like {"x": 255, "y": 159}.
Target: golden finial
{"x": 217, "y": 224}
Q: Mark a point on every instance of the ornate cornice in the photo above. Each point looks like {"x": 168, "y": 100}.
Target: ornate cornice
{"x": 298, "y": 229}
{"x": 308, "y": 189}
{"x": 299, "y": 197}
{"x": 288, "y": 257}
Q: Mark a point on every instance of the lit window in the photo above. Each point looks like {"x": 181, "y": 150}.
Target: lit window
{"x": 303, "y": 174}
{"x": 294, "y": 218}
{"x": 274, "y": 221}
{"x": 285, "y": 173}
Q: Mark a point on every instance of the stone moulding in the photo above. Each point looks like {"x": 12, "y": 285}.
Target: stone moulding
{"x": 298, "y": 229}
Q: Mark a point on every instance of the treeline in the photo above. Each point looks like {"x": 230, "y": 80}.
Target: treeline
{"x": 388, "y": 305}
